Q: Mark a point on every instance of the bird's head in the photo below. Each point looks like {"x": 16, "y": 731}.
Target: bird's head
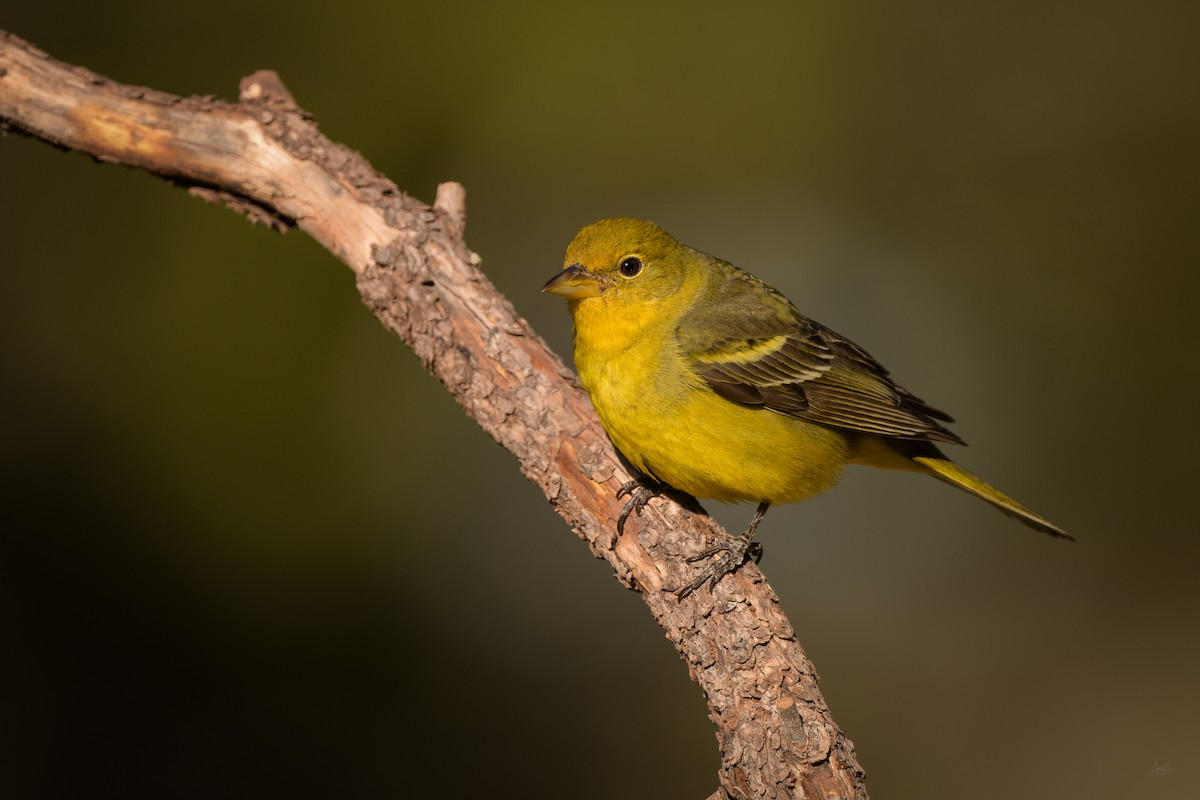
{"x": 622, "y": 261}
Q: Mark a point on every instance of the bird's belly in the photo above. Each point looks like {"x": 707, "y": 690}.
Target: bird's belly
{"x": 710, "y": 447}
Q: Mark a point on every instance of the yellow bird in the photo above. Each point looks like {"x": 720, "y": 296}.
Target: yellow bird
{"x": 709, "y": 381}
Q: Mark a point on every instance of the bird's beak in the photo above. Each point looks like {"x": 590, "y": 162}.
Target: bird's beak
{"x": 573, "y": 283}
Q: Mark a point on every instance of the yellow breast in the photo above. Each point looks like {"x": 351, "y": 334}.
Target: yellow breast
{"x": 670, "y": 425}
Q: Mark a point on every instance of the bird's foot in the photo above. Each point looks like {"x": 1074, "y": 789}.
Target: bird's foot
{"x": 640, "y": 491}
{"x": 736, "y": 549}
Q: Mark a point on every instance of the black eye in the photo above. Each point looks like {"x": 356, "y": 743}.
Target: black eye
{"x": 631, "y": 266}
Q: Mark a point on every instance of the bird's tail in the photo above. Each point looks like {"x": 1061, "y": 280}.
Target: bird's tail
{"x": 944, "y": 469}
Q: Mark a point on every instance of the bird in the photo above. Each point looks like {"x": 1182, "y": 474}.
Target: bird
{"x": 711, "y": 383}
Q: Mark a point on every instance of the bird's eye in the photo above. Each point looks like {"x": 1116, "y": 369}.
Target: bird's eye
{"x": 630, "y": 266}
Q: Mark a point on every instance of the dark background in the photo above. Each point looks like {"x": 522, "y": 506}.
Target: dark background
{"x": 251, "y": 548}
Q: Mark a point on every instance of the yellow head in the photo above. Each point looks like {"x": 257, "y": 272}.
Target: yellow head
{"x": 625, "y": 261}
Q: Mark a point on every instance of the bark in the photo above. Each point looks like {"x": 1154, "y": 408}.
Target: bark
{"x": 265, "y": 158}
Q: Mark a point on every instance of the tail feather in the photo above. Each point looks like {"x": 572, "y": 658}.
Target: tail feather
{"x": 946, "y": 470}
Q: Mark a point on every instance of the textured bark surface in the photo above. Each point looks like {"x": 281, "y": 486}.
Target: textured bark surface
{"x": 265, "y": 158}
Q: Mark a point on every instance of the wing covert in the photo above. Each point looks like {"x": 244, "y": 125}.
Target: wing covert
{"x": 755, "y": 348}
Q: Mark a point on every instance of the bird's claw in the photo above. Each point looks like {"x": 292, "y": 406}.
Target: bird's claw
{"x": 628, "y": 487}
{"x": 736, "y": 549}
{"x": 639, "y": 494}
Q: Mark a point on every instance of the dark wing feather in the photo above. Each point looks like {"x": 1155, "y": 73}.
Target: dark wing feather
{"x": 755, "y": 348}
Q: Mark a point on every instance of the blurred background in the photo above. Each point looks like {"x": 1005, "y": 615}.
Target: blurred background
{"x": 251, "y": 548}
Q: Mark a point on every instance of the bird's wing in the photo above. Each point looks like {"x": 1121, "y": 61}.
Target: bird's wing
{"x": 753, "y": 347}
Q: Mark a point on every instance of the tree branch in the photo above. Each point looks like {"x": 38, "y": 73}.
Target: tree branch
{"x": 265, "y": 158}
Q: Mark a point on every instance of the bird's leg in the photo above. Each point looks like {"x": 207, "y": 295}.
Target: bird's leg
{"x": 736, "y": 549}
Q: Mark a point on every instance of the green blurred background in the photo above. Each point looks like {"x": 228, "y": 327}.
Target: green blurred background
{"x": 252, "y": 549}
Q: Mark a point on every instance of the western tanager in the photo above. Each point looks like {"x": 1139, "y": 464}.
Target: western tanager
{"x": 710, "y": 381}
